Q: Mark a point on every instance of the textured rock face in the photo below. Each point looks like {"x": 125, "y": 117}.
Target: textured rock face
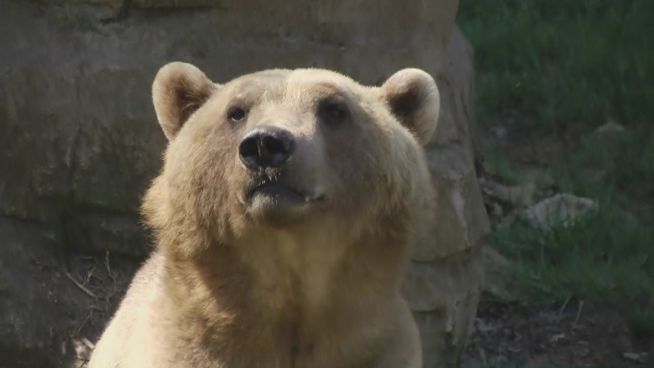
{"x": 32, "y": 296}
{"x": 81, "y": 143}
{"x": 50, "y": 304}
{"x": 445, "y": 279}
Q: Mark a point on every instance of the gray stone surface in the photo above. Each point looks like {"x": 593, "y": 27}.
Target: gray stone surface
{"x": 444, "y": 282}
{"x": 52, "y": 302}
{"x": 39, "y": 305}
{"x": 561, "y": 209}
{"x": 81, "y": 142}
{"x": 444, "y": 297}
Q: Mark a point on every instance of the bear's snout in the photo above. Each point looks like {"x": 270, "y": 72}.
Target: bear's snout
{"x": 266, "y": 147}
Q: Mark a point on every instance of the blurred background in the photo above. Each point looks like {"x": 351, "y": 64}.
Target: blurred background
{"x": 542, "y": 252}
{"x": 564, "y": 102}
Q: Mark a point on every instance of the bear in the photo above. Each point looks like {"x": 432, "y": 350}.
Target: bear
{"x": 283, "y": 219}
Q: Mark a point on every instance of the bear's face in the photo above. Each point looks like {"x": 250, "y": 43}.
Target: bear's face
{"x": 282, "y": 148}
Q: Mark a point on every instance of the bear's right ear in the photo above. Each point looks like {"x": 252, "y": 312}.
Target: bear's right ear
{"x": 178, "y": 90}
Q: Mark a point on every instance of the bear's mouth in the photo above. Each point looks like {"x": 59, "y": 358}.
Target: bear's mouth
{"x": 278, "y": 191}
{"x": 278, "y": 203}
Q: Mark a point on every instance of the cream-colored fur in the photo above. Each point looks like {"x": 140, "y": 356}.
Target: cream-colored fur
{"x": 236, "y": 283}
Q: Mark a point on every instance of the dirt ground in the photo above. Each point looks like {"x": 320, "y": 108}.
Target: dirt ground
{"x": 578, "y": 336}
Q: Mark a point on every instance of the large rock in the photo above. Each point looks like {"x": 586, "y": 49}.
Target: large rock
{"x": 562, "y": 209}
{"x": 81, "y": 143}
{"x": 37, "y": 303}
{"x": 444, "y": 282}
{"x": 50, "y": 301}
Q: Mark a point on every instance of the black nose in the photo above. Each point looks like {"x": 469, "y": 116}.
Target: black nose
{"x": 266, "y": 147}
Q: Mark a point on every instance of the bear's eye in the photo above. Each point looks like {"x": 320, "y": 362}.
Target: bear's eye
{"x": 333, "y": 111}
{"x": 236, "y": 114}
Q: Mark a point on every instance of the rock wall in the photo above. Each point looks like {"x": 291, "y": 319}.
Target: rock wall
{"x": 81, "y": 142}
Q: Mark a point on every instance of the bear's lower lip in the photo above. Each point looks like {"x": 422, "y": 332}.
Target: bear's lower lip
{"x": 279, "y": 204}
{"x": 279, "y": 192}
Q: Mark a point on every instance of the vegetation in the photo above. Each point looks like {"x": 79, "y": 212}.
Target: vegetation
{"x": 564, "y": 68}
{"x": 563, "y": 62}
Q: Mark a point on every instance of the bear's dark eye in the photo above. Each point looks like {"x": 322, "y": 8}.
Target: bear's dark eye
{"x": 236, "y": 114}
{"x": 333, "y": 112}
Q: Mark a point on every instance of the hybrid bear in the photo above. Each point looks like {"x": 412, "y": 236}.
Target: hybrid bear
{"x": 284, "y": 217}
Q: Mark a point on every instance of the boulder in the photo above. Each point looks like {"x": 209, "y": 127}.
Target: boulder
{"x": 51, "y": 302}
{"x": 444, "y": 282}
{"x": 611, "y": 127}
{"x": 38, "y": 304}
{"x": 562, "y": 209}
{"x": 81, "y": 142}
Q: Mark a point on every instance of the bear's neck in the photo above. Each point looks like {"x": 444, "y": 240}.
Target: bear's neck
{"x": 282, "y": 289}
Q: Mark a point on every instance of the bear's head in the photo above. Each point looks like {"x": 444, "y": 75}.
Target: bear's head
{"x": 290, "y": 150}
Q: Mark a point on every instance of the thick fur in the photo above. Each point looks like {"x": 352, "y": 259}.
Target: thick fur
{"x": 236, "y": 283}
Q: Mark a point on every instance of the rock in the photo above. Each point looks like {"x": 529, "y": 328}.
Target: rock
{"x": 496, "y": 268}
{"x": 611, "y": 127}
{"x": 517, "y": 195}
{"x": 461, "y": 220}
{"x": 50, "y": 302}
{"x": 444, "y": 282}
{"x": 504, "y": 201}
{"x": 85, "y": 10}
{"x": 39, "y": 306}
{"x": 177, "y": 4}
{"x": 81, "y": 142}
{"x": 444, "y": 297}
{"x": 82, "y": 174}
{"x": 561, "y": 209}
{"x": 635, "y": 357}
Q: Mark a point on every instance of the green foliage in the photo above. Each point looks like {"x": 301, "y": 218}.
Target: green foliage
{"x": 546, "y": 67}
{"x": 619, "y": 163}
{"x": 499, "y": 165}
{"x": 562, "y": 62}
{"x": 604, "y": 258}
{"x": 607, "y": 257}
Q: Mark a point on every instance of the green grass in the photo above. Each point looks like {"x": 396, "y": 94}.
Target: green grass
{"x": 550, "y": 63}
{"x": 498, "y": 164}
{"x": 607, "y": 257}
{"x": 549, "y": 67}
{"x": 618, "y": 164}
{"x": 604, "y": 259}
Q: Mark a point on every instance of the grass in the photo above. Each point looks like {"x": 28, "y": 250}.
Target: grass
{"x": 607, "y": 257}
{"x": 618, "y": 164}
{"x": 604, "y": 259}
{"x": 551, "y": 67}
{"x": 549, "y": 63}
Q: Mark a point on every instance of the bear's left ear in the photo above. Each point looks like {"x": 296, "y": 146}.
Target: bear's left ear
{"x": 178, "y": 90}
{"x": 413, "y": 99}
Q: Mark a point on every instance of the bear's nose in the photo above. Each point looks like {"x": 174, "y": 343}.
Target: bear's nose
{"x": 266, "y": 147}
